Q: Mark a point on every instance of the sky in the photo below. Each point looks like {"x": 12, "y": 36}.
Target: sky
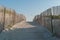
{"x": 29, "y": 8}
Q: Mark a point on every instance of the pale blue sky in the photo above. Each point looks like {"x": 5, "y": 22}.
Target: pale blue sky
{"x": 29, "y": 8}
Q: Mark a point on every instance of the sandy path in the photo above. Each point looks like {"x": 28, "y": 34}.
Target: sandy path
{"x": 27, "y": 31}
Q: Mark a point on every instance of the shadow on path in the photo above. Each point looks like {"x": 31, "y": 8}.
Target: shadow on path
{"x": 35, "y": 33}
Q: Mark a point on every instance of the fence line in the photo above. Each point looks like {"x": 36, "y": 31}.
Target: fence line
{"x": 50, "y": 18}
{"x": 8, "y": 17}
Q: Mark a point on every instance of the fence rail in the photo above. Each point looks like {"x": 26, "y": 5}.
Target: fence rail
{"x": 50, "y": 18}
{"x": 8, "y": 17}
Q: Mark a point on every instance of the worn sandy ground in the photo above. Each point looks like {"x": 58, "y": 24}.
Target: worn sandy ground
{"x": 27, "y": 31}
